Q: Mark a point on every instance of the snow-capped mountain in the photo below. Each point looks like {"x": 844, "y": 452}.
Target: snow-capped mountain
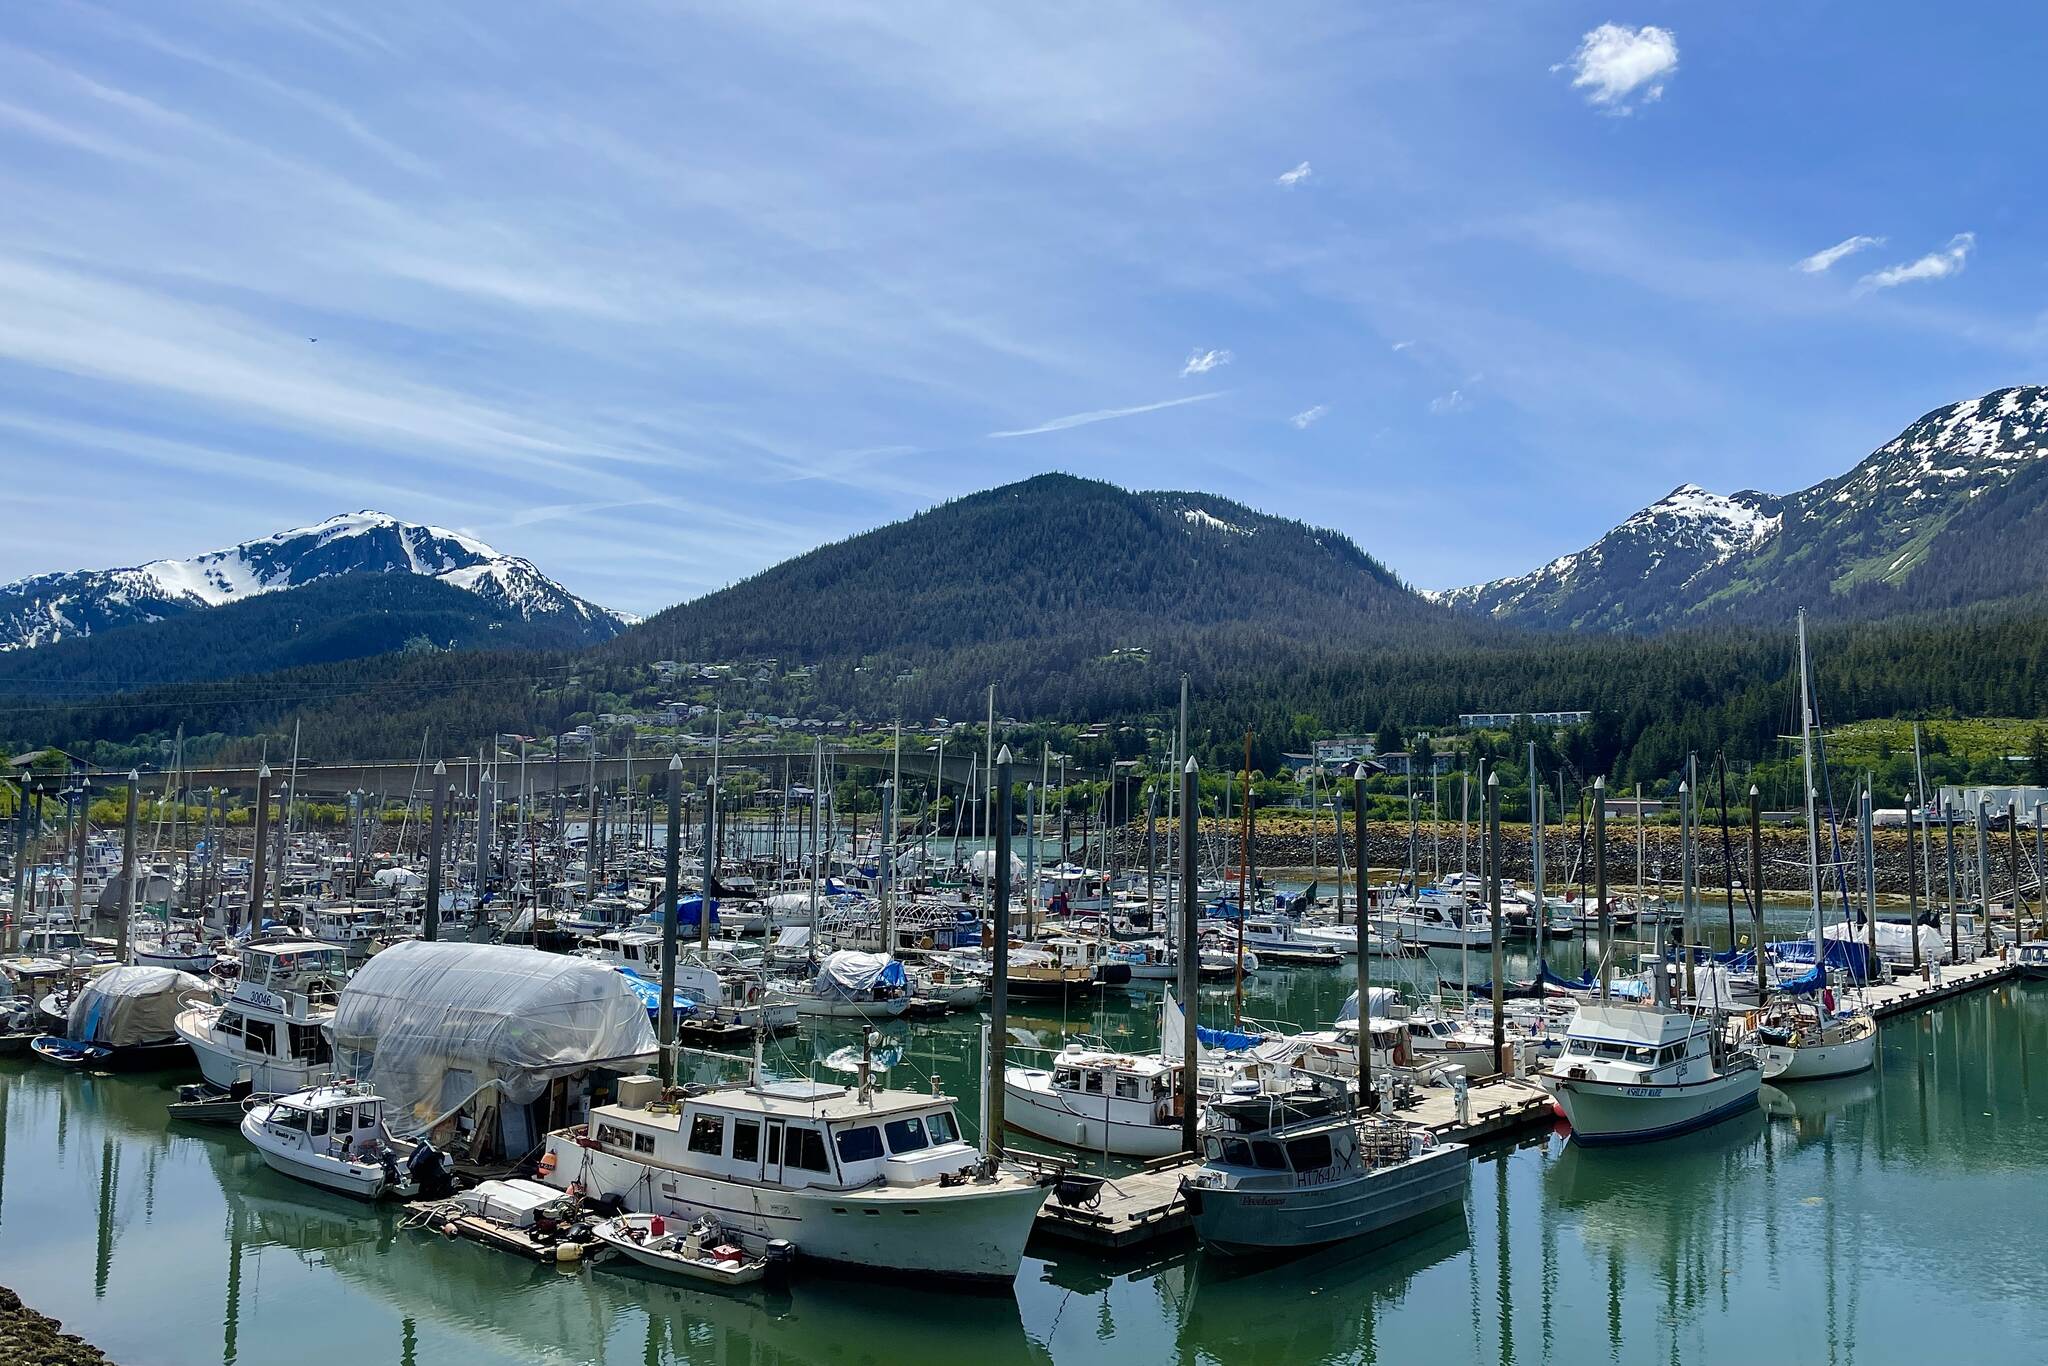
{"x": 1951, "y": 511}
{"x": 60, "y": 606}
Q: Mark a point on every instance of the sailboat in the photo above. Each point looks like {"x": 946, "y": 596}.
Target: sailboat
{"x": 1800, "y": 1036}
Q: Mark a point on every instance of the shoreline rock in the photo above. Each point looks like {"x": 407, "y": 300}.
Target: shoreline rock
{"x": 28, "y": 1336}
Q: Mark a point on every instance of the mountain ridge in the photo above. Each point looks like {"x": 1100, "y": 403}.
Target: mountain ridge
{"x": 1910, "y": 527}
{"x": 44, "y": 609}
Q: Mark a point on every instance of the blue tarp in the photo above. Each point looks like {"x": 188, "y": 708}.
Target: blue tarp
{"x": 1812, "y": 980}
{"x": 690, "y": 907}
{"x": 1227, "y": 1039}
{"x": 1586, "y": 983}
{"x": 650, "y": 994}
{"x": 1848, "y": 955}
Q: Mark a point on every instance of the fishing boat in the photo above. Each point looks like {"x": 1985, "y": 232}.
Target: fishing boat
{"x": 1634, "y": 1072}
{"x": 1301, "y": 1171}
{"x": 2032, "y": 959}
{"x": 331, "y": 1136}
{"x": 859, "y": 1175}
{"x": 270, "y": 1032}
{"x": 701, "y": 1250}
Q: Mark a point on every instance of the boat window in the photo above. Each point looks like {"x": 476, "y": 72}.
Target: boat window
{"x": 1067, "y": 1078}
{"x": 1611, "y": 1050}
{"x": 746, "y": 1141}
{"x": 1092, "y": 1082}
{"x": 1126, "y": 1087}
{"x": 805, "y": 1149}
{"x": 262, "y": 1036}
{"x": 318, "y": 1125}
{"x": 1642, "y": 1054}
{"x": 707, "y": 1135}
{"x": 229, "y": 1023}
{"x": 295, "y": 1120}
{"x": 345, "y": 1119}
{"x": 1266, "y": 1153}
{"x": 940, "y": 1126}
{"x": 308, "y": 1043}
{"x": 1310, "y": 1153}
{"x": 774, "y": 1157}
{"x": 1579, "y": 1048}
{"x": 859, "y": 1145}
{"x": 905, "y": 1136}
{"x": 643, "y": 1143}
{"x": 1237, "y": 1152}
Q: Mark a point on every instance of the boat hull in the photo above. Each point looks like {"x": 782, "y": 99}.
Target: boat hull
{"x": 1032, "y": 1105}
{"x": 973, "y": 1234}
{"x": 1605, "y": 1112}
{"x": 1816, "y": 1062}
{"x": 360, "y": 1180}
{"x": 1378, "y": 1205}
{"x": 225, "y": 1068}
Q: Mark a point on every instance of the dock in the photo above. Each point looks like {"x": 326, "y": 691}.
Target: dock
{"x": 1144, "y": 1207}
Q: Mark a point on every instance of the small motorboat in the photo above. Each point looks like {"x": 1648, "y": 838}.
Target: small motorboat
{"x": 701, "y": 1251}
{"x": 332, "y": 1136}
{"x": 69, "y": 1052}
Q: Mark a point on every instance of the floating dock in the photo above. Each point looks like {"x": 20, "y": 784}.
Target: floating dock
{"x": 1145, "y": 1207}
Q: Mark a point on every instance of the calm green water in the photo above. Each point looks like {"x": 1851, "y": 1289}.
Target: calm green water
{"x": 1891, "y": 1218}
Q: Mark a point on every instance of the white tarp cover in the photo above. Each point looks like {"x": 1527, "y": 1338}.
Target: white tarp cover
{"x": 1383, "y": 1001}
{"x": 130, "y": 1005}
{"x": 418, "y": 1012}
{"x": 847, "y": 975}
{"x": 983, "y": 866}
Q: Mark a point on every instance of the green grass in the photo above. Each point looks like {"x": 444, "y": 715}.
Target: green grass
{"x": 1863, "y": 743}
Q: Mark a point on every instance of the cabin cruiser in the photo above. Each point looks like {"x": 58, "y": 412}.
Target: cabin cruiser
{"x": 271, "y": 1030}
{"x": 355, "y": 930}
{"x": 850, "y": 985}
{"x": 332, "y": 1136}
{"x": 1100, "y": 1099}
{"x": 1637, "y": 1071}
{"x": 723, "y": 997}
{"x": 1281, "y": 1173}
{"x": 862, "y": 1176}
{"x": 1437, "y": 922}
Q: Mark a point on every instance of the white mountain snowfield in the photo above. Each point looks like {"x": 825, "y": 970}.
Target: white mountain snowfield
{"x": 1875, "y": 525}
{"x": 67, "y": 604}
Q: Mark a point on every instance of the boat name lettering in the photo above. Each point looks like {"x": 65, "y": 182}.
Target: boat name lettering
{"x": 1646, "y": 1092}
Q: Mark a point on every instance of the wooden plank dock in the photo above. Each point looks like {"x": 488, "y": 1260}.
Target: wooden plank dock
{"x": 1904, "y": 994}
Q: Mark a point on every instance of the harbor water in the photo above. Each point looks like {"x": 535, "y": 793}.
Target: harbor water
{"x": 1892, "y": 1217}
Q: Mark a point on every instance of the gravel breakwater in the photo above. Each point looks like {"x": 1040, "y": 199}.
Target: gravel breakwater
{"x": 26, "y": 1336}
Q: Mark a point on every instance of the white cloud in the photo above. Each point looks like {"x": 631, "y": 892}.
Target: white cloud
{"x": 1447, "y": 403}
{"x": 1403, "y": 345}
{"x": 1289, "y": 179}
{"x": 1935, "y": 265}
{"x": 1202, "y": 362}
{"x": 1060, "y": 424}
{"x": 1615, "y": 62}
{"x": 1848, "y": 246}
{"x": 1304, "y": 418}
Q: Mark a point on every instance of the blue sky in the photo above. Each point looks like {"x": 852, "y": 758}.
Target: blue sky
{"x": 659, "y": 295}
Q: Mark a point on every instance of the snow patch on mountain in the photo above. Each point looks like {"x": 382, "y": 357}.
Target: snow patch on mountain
{"x": 50, "y": 607}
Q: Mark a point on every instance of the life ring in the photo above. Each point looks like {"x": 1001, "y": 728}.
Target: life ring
{"x": 924, "y": 941}
{"x": 546, "y": 1165}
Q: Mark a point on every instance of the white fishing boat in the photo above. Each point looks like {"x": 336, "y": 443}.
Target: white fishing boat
{"x": 1634, "y": 1072}
{"x": 857, "y": 1175}
{"x": 700, "y": 1250}
{"x": 271, "y": 1030}
{"x": 181, "y": 949}
{"x": 1276, "y": 1176}
{"x": 331, "y": 1136}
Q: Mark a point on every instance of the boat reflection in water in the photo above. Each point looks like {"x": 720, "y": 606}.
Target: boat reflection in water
{"x": 451, "y": 1290}
{"x": 1811, "y": 1106}
{"x": 1238, "y": 1311}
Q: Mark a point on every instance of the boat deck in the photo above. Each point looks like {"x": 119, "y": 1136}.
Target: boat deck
{"x": 1145, "y": 1206}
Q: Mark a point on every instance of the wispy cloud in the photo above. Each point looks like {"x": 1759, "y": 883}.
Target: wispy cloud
{"x": 1060, "y": 424}
{"x": 1307, "y": 416}
{"x": 1202, "y": 362}
{"x": 1447, "y": 403}
{"x": 1615, "y": 62}
{"x": 1848, "y": 246}
{"x": 1403, "y": 345}
{"x": 1935, "y": 265}
{"x": 1289, "y": 179}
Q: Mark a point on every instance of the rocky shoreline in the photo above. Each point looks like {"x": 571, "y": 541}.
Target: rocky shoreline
{"x": 1567, "y": 857}
{"x": 27, "y": 1336}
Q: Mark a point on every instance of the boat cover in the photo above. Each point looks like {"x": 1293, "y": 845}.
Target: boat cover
{"x": 1383, "y": 1001}
{"x": 846, "y": 975}
{"x": 131, "y": 1005}
{"x": 1850, "y": 956}
{"x": 650, "y": 994}
{"x": 427, "y": 1024}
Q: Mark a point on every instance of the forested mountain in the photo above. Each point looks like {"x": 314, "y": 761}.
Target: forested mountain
{"x": 1049, "y": 559}
{"x": 1953, "y": 511}
{"x": 67, "y": 605}
{"x": 1081, "y": 603}
{"x": 328, "y": 621}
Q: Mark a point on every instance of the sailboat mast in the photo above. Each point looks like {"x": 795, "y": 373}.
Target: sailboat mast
{"x": 1806, "y": 758}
